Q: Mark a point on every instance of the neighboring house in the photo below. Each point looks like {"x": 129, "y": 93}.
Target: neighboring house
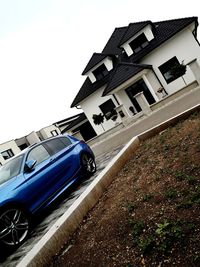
{"x": 140, "y": 65}
{"x": 8, "y": 150}
{"x": 13, "y": 147}
{"x": 77, "y": 125}
{"x": 48, "y": 132}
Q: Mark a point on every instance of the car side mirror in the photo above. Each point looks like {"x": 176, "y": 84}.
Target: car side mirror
{"x": 30, "y": 164}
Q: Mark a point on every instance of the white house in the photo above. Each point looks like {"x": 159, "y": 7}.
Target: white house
{"x": 141, "y": 64}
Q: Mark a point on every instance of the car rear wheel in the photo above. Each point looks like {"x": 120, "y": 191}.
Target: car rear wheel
{"x": 14, "y": 226}
{"x": 88, "y": 164}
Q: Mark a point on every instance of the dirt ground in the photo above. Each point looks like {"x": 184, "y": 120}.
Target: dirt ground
{"x": 150, "y": 214}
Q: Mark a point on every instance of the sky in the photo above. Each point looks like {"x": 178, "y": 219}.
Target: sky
{"x": 46, "y": 44}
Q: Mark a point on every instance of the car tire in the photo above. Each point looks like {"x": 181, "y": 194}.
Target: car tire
{"x": 14, "y": 226}
{"x": 88, "y": 164}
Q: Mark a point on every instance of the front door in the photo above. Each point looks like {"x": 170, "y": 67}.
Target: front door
{"x": 136, "y": 88}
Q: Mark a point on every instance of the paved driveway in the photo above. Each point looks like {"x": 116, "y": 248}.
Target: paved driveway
{"x": 57, "y": 211}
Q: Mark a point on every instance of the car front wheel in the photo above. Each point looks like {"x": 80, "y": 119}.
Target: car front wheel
{"x": 14, "y": 226}
{"x": 88, "y": 164}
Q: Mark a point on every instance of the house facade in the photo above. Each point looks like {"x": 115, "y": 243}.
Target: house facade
{"x": 140, "y": 65}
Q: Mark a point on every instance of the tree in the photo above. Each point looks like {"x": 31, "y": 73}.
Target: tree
{"x": 98, "y": 119}
{"x": 178, "y": 70}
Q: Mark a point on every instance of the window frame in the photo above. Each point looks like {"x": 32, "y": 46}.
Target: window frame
{"x": 137, "y": 45}
{"x": 100, "y": 72}
{"x": 9, "y": 152}
{"x": 166, "y": 68}
{"x": 54, "y": 132}
{"x": 107, "y": 113}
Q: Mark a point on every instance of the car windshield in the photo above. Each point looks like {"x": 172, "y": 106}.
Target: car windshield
{"x": 10, "y": 169}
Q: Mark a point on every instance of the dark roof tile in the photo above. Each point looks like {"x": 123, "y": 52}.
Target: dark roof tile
{"x": 74, "y": 122}
{"x": 112, "y": 46}
{"x": 163, "y": 31}
{"x": 67, "y": 121}
{"x": 123, "y": 72}
{"x": 88, "y": 88}
{"x": 132, "y": 29}
{"x": 94, "y": 60}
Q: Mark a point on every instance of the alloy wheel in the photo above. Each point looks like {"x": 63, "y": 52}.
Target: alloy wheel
{"x": 88, "y": 164}
{"x": 14, "y": 226}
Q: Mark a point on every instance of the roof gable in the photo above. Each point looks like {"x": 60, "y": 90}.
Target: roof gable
{"x": 133, "y": 29}
{"x": 164, "y": 30}
{"x": 94, "y": 60}
{"x": 123, "y": 72}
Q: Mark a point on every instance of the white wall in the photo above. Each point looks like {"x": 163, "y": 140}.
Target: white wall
{"x": 125, "y": 100}
{"x": 9, "y": 145}
{"x": 155, "y": 84}
{"x": 46, "y": 131}
{"x": 90, "y": 106}
{"x": 185, "y": 48}
{"x": 33, "y": 138}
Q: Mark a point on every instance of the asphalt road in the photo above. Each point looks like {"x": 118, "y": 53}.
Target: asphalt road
{"x": 47, "y": 219}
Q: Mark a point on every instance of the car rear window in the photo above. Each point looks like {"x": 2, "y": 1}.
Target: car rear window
{"x": 66, "y": 141}
{"x": 54, "y": 145}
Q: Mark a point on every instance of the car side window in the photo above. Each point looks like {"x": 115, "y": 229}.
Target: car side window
{"x": 66, "y": 141}
{"x": 39, "y": 153}
{"x": 54, "y": 145}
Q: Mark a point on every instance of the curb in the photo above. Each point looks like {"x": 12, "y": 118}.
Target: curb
{"x": 53, "y": 240}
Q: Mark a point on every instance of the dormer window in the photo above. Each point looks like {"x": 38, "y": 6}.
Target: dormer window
{"x": 100, "y": 72}
{"x": 139, "y": 43}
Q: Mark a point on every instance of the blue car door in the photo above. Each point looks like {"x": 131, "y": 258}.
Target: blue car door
{"x": 65, "y": 159}
{"x": 55, "y": 167}
{"x": 41, "y": 179}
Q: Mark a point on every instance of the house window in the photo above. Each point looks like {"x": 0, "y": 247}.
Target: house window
{"x": 7, "y": 154}
{"x": 23, "y": 146}
{"x": 107, "y": 108}
{"x": 139, "y": 43}
{"x": 100, "y": 72}
{"x": 167, "y": 70}
{"x": 54, "y": 133}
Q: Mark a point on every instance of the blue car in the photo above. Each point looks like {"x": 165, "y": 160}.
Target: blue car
{"x": 30, "y": 182}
